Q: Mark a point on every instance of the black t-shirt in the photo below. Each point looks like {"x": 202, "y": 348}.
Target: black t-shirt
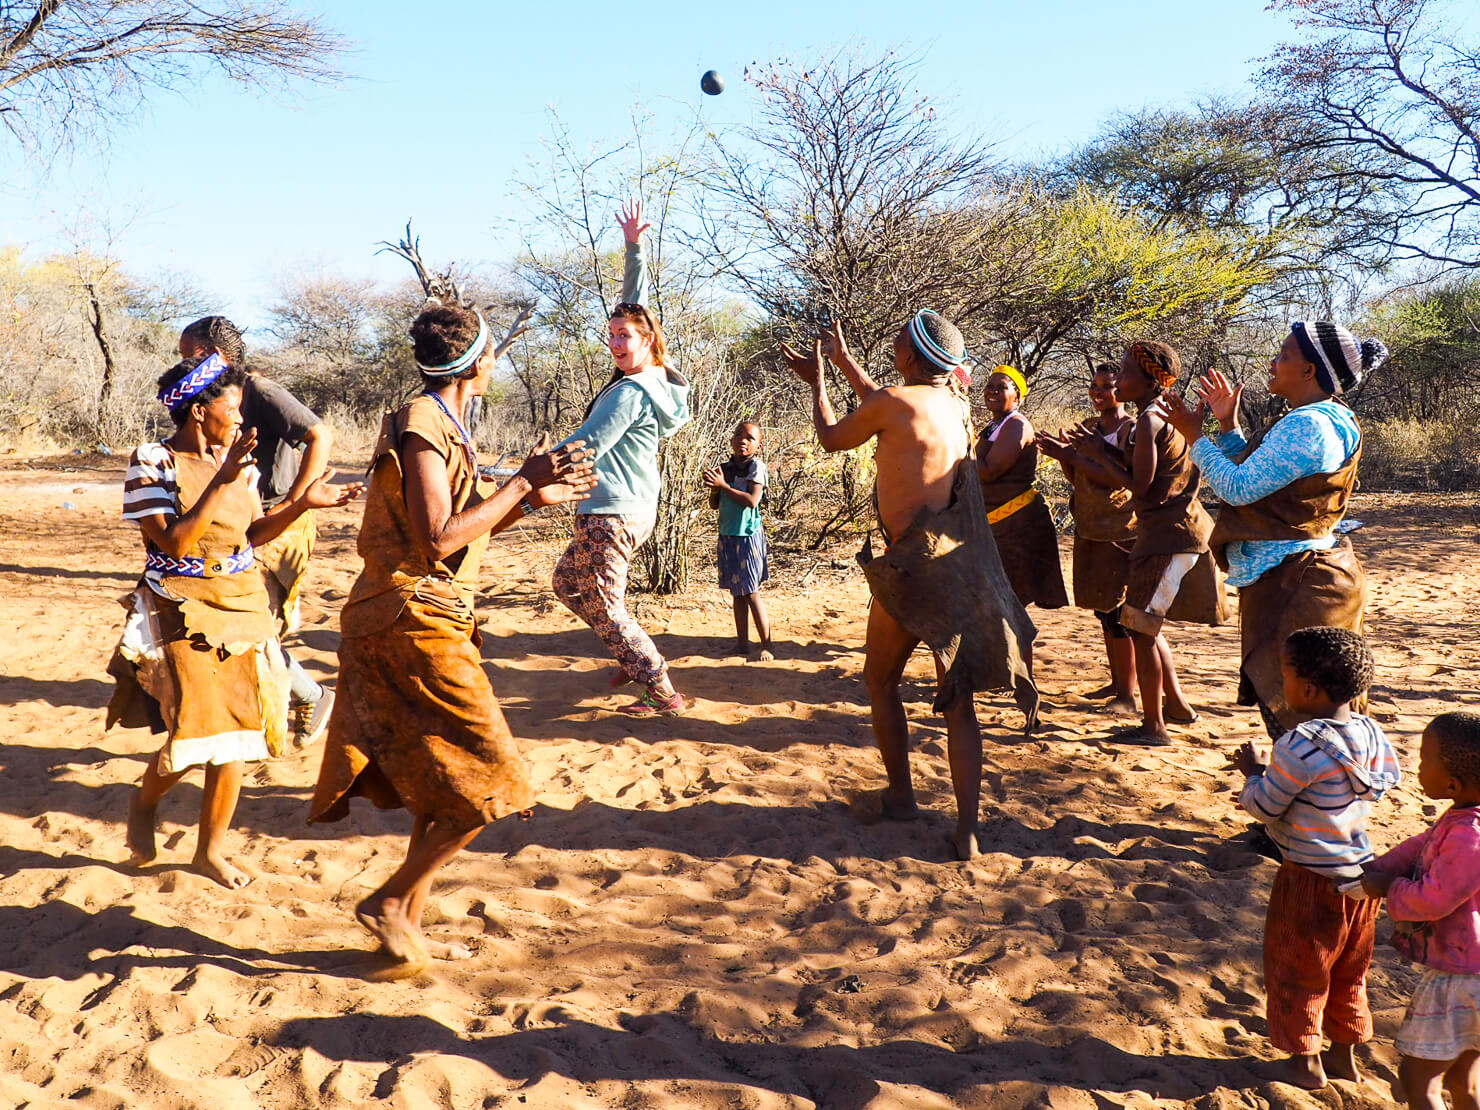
{"x": 281, "y": 421}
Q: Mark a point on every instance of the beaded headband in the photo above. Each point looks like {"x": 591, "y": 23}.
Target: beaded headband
{"x": 193, "y": 384}
{"x": 928, "y": 347}
{"x": 464, "y": 360}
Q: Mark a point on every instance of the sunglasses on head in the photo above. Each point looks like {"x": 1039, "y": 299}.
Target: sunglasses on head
{"x": 623, "y": 308}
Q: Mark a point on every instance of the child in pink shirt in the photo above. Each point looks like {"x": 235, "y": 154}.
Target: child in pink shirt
{"x": 1432, "y": 885}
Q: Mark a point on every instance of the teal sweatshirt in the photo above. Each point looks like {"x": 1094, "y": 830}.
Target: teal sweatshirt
{"x": 629, "y": 418}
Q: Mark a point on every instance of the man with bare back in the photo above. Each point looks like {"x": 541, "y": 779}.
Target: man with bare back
{"x": 940, "y": 580}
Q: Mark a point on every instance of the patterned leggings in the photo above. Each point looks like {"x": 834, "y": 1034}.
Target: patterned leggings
{"x": 591, "y": 579}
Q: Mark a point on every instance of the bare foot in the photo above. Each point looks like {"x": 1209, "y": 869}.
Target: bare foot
{"x": 1126, "y": 704}
{"x": 898, "y": 808}
{"x": 1180, "y": 713}
{"x": 1299, "y": 1071}
{"x": 386, "y": 919}
{"x": 214, "y": 867}
{"x": 764, "y": 654}
{"x": 870, "y": 806}
{"x": 1340, "y": 1061}
{"x": 1105, "y": 691}
{"x": 442, "y": 950}
{"x": 140, "y": 836}
{"x": 389, "y": 969}
{"x": 1150, "y": 736}
{"x": 965, "y": 845}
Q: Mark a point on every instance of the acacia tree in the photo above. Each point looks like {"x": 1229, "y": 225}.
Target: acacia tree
{"x": 1083, "y": 273}
{"x": 67, "y": 66}
{"x": 1380, "y": 84}
{"x": 1249, "y": 169}
{"x": 847, "y": 197}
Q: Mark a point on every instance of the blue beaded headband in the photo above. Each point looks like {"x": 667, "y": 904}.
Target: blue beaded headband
{"x": 193, "y": 384}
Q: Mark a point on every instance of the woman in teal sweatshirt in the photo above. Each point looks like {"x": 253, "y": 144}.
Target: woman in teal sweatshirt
{"x": 645, "y": 400}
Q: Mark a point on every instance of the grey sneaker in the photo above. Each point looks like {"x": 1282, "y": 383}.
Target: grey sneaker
{"x": 311, "y": 718}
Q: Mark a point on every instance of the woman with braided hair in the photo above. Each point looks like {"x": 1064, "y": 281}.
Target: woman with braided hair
{"x": 199, "y": 658}
{"x": 1283, "y": 499}
{"x": 1171, "y": 575}
{"x": 1007, "y": 466}
{"x": 416, "y": 723}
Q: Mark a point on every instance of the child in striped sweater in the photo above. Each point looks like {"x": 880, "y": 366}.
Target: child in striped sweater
{"x": 1314, "y": 797}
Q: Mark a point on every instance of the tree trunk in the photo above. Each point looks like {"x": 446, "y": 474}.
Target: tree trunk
{"x": 106, "y": 390}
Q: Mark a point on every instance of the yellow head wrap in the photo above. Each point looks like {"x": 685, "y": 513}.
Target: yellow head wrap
{"x": 1015, "y": 376}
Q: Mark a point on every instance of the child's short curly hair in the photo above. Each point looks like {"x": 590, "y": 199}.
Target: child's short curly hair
{"x": 1458, "y": 734}
{"x": 1337, "y": 660}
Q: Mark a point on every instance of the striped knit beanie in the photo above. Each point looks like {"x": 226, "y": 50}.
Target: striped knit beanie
{"x": 937, "y": 341}
{"x": 1341, "y": 361}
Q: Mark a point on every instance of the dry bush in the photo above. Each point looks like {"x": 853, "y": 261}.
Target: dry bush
{"x": 51, "y": 366}
{"x": 1405, "y": 453}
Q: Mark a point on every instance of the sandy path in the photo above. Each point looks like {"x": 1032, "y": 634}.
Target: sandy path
{"x": 695, "y": 917}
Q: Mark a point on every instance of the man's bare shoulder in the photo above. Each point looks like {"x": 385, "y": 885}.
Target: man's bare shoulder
{"x": 919, "y": 396}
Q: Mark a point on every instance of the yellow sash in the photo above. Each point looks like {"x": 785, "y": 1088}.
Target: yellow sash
{"x": 1005, "y": 510}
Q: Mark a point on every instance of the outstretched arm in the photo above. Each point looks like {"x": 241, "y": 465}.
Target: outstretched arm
{"x": 437, "y": 531}
{"x": 634, "y": 265}
{"x": 319, "y": 494}
{"x": 855, "y": 429}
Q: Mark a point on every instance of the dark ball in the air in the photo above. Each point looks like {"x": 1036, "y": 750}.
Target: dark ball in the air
{"x": 712, "y": 83}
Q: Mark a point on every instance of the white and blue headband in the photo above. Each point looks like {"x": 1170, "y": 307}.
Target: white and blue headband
{"x": 193, "y": 384}
{"x": 464, "y": 360}
{"x": 927, "y": 346}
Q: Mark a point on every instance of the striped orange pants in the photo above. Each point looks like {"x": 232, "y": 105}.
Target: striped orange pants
{"x": 1317, "y": 947}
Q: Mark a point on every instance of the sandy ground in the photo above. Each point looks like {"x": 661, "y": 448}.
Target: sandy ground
{"x": 696, "y": 916}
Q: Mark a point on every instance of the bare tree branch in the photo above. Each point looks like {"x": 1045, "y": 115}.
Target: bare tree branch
{"x": 68, "y": 67}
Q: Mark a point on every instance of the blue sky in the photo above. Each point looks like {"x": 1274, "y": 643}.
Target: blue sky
{"x": 238, "y": 189}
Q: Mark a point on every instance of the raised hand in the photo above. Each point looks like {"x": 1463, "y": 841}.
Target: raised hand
{"x": 571, "y": 463}
{"x": 1084, "y": 441}
{"x": 238, "y": 456}
{"x": 714, "y": 477}
{"x": 1057, "y": 447}
{"x": 324, "y": 495}
{"x": 629, "y": 219}
{"x": 1221, "y": 397}
{"x": 834, "y": 346}
{"x": 1173, "y": 409}
{"x": 806, "y": 367}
